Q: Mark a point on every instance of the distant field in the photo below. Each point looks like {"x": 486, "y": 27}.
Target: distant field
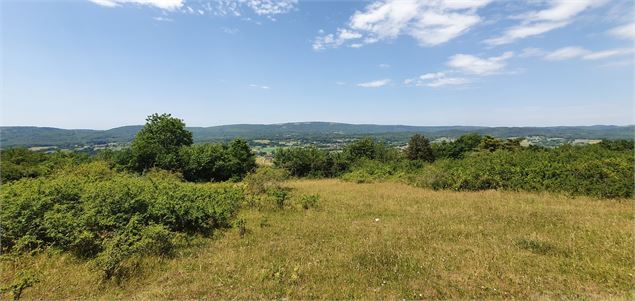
{"x": 382, "y": 241}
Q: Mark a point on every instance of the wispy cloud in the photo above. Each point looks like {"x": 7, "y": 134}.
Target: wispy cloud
{"x": 479, "y": 66}
{"x": 162, "y": 19}
{"x": 259, "y": 86}
{"x": 566, "y": 53}
{"x": 266, "y": 8}
{"x": 383, "y": 66}
{"x": 437, "y": 79}
{"x": 464, "y": 69}
{"x": 374, "y": 84}
{"x": 271, "y": 7}
{"x": 574, "y": 52}
{"x": 429, "y": 22}
{"x": 626, "y": 31}
{"x": 557, "y": 14}
{"x": 229, "y": 30}
{"x": 162, "y": 4}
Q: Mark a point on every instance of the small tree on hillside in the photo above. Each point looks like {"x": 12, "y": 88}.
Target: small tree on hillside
{"x": 419, "y": 149}
{"x": 159, "y": 141}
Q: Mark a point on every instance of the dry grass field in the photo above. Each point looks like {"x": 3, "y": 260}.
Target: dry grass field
{"x": 381, "y": 241}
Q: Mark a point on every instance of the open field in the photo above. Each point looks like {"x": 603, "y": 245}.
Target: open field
{"x": 381, "y": 241}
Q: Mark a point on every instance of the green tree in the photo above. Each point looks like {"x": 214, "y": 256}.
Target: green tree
{"x": 241, "y": 159}
{"x": 490, "y": 143}
{"x": 419, "y": 149}
{"x": 158, "y": 143}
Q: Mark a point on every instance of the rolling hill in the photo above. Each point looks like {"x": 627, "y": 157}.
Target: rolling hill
{"x": 13, "y": 136}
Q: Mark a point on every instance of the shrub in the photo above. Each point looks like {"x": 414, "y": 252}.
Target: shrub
{"x": 157, "y": 144}
{"x": 92, "y": 211}
{"x": 279, "y": 195}
{"x": 241, "y": 225}
{"x": 369, "y": 171}
{"x": 307, "y": 161}
{"x": 265, "y": 178}
{"x": 309, "y": 201}
{"x": 590, "y": 170}
{"x": 419, "y": 149}
{"x": 217, "y": 162}
{"x": 20, "y": 163}
{"x": 23, "y": 280}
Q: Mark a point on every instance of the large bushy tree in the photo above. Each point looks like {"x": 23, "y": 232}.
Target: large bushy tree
{"x": 419, "y": 149}
{"x": 158, "y": 143}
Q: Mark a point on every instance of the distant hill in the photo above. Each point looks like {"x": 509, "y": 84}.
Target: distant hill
{"x": 46, "y": 136}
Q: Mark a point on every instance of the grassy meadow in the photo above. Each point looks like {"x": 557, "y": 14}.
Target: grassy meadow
{"x": 377, "y": 241}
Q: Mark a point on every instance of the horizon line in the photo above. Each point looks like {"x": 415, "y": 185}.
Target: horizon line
{"x": 331, "y": 122}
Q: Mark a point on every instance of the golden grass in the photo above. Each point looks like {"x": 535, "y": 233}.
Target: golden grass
{"x": 383, "y": 241}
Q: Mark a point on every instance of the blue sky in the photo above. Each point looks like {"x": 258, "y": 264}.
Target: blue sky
{"x": 107, "y": 63}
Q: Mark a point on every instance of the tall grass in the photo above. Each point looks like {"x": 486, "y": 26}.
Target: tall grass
{"x": 381, "y": 241}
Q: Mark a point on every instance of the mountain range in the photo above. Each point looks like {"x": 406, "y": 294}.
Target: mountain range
{"x": 13, "y": 136}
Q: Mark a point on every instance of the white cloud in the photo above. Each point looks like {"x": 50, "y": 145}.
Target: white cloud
{"x": 464, "y": 69}
{"x": 478, "y": 66}
{"x": 374, "y": 84}
{"x": 259, "y": 86}
{"x": 267, "y": 8}
{"x": 607, "y": 53}
{"x": 566, "y": 53}
{"x": 383, "y": 66}
{"x": 431, "y": 22}
{"x": 162, "y": 4}
{"x": 557, "y": 14}
{"x": 626, "y": 31}
{"x": 229, "y": 30}
{"x": 432, "y": 75}
{"x": 107, "y": 3}
{"x": 271, "y": 7}
{"x": 618, "y": 64}
{"x": 448, "y": 81}
{"x": 162, "y": 19}
{"x": 531, "y": 52}
{"x": 574, "y": 52}
{"x": 437, "y": 79}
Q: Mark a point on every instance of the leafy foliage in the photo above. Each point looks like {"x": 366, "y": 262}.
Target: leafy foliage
{"x": 265, "y": 178}
{"x": 419, "y": 149}
{"x": 157, "y": 144}
{"x": 474, "y": 162}
{"x": 95, "y": 212}
{"x": 590, "y": 170}
{"x": 217, "y": 162}
{"x": 20, "y": 163}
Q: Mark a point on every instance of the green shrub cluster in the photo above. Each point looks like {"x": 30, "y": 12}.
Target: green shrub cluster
{"x": 165, "y": 143}
{"x": 589, "y": 170}
{"x": 314, "y": 162}
{"x": 474, "y": 162}
{"x": 20, "y": 163}
{"x": 95, "y": 212}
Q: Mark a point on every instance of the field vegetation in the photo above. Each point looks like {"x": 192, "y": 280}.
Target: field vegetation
{"x": 478, "y": 217}
{"x": 378, "y": 241}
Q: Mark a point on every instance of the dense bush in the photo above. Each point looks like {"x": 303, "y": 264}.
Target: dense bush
{"x": 419, "y": 149}
{"x": 369, "y": 171}
{"x": 588, "y": 170}
{"x": 474, "y": 162}
{"x": 457, "y": 148}
{"x": 217, "y": 162}
{"x": 265, "y": 178}
{"x": 310, "y": 161}
{"x": 158, "y": 143}
{"x": 93, "y": 211}
{"x": 20, "y": 163}
{"x": 314, "y": 162}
